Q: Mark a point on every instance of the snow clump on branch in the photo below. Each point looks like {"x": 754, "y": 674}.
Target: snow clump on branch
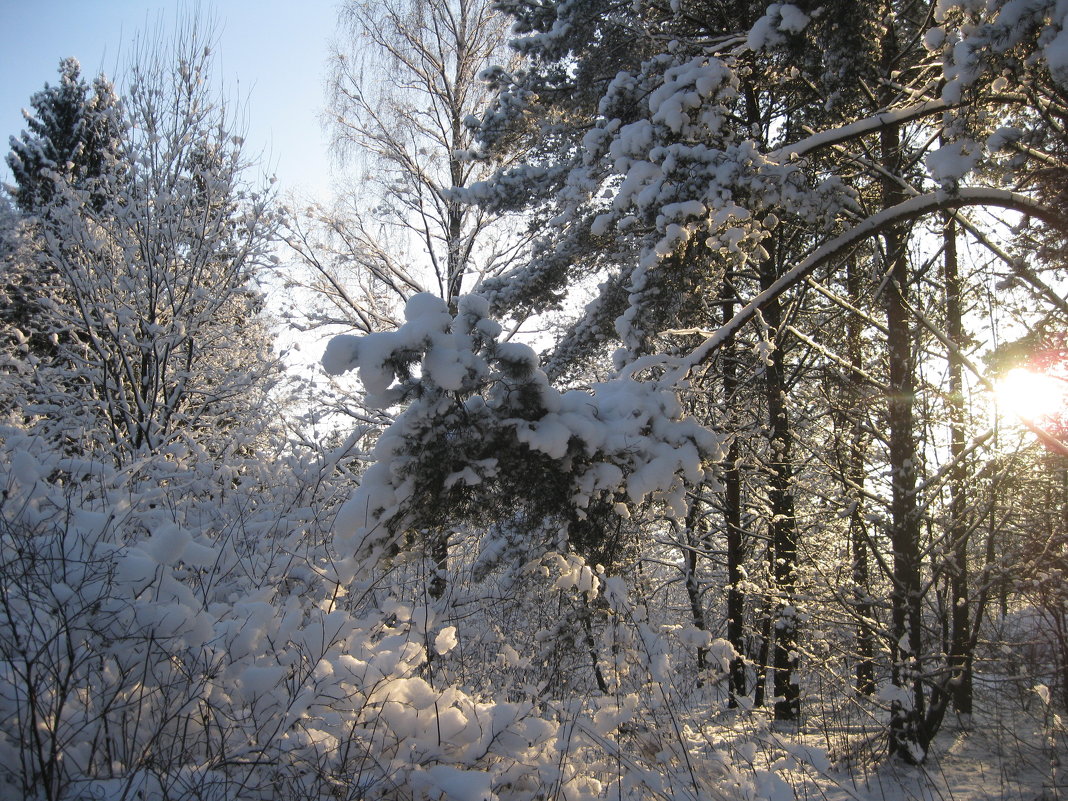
{"x": 482, "y": 420}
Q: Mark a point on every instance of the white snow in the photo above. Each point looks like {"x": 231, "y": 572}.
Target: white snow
{"x": 167, "y": 544}
{"x": 951, "y": 162}
{"x": 25, "y": 469}
{"x": 792, "y": 19}
{"x": 341, "y": 354}
{"x": 445, "y": 640}
{"x": 778, "y": 19}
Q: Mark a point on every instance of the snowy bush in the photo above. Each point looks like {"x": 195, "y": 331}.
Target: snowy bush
{"x": 154, "y": 648}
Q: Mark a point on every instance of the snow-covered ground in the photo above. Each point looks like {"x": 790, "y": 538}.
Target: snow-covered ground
{"x": 1011, "y": 750}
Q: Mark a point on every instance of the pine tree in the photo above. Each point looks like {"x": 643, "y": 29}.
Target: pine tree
{"x": 72, "y": 137}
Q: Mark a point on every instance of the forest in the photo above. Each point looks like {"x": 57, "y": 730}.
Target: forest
{"x": 673, "y": 404}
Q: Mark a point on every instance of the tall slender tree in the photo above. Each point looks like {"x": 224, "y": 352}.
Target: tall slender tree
{"x": 405, "y": 82}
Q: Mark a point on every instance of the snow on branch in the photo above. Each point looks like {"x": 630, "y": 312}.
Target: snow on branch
{"x": 910, "y": 209}
{"x": 853, "y": 130}
{"x": 483, "y": 424}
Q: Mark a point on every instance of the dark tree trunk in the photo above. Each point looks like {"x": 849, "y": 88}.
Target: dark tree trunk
{"x": 783, "y": 525}
{"x": 853, "y": 470}
{"x": 732, "y": 513}
{"x": 960, "y": 657}
{"x": 587, "y": 626}
{"x": 439, "y": 556}
{"x": 690, "y": 542}
{"x": 906, "y": 633}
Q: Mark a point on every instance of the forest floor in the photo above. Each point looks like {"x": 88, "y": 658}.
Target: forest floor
{"x": 1012, "y": 750}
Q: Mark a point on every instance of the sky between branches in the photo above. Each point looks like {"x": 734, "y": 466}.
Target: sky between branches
{"x": 271, "y": 57}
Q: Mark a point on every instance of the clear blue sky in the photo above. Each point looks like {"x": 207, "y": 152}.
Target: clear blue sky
{"x": 272, "y": 51}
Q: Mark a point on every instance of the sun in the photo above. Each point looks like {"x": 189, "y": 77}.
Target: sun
{"x": 1034, "y": 397}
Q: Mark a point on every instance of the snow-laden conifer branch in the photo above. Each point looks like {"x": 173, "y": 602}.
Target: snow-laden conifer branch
{"x": 854, "y": 130}
{"x": 482, "y": 421}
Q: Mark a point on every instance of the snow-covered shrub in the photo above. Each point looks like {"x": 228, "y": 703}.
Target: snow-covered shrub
{"x": 152, "y": 645}
{"x": 174, "y": 632}
{"x": 144, "y": 632}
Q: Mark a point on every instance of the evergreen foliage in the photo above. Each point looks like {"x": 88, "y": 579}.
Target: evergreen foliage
{"x": 482, "y": 426}
{"x": 72, "y": 137}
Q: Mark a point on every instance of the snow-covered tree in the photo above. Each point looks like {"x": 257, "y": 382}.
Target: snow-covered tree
{"x": 483, "y": 429}
{"x": 156, "y": 317}
{"x": 72, "y": 137}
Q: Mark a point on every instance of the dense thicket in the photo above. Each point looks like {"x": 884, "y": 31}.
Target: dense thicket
{"x": 751, "y": 516}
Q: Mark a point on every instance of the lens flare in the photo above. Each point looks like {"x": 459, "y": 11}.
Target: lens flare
{"x": 1036, "y": 398}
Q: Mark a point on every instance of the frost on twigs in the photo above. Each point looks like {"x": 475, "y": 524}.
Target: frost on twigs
{"x": 483, "y": 428}
{"x": 131, "y": 628}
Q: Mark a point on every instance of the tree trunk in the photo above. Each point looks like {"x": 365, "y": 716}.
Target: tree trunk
{"x": 960, "y": 658}
{"x": 439, "y": 557}
{"x": 906, "y": 634}
{"x": 690, "y": 542}
{"x": 732, "y": 513}
{"x": 586, "y": 613}
{"x": 783, "y": 526}
{"x": 853, "y": 470}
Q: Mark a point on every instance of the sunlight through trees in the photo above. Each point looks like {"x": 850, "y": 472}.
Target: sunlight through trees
{"x": 693, "y": 419}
